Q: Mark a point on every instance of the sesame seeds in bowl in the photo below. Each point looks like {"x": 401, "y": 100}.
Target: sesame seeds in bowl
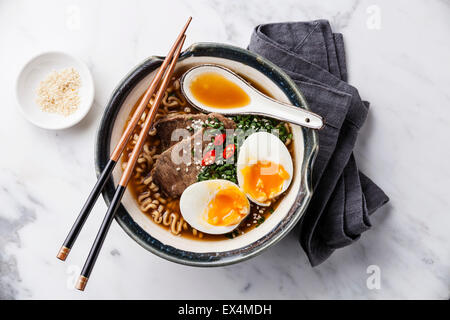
{"x": 59, "y": 92}
{"x": 54, "y": 90}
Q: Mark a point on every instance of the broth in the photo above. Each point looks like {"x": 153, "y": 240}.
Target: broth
{"x": 214, "y": 90}
{"x": 140, "y": 187}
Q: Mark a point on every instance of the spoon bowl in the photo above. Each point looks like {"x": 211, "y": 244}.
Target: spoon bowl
{"x": 256, "y": 102}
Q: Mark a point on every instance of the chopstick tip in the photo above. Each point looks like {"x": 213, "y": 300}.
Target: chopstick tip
{"x": 188, "y": 22}
{"x": 63, "y": 253}
{"x": 81, "y": 283}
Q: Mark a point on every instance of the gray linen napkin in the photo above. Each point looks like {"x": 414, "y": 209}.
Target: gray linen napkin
{"x": 343, "y": 197}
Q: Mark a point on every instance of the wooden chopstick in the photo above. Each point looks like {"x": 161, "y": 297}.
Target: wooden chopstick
{"x": 115, "y": 155}
{"x": 120, "y": 190}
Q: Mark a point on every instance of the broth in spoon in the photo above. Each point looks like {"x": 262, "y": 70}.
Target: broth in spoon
{"x": 214, "y": 90}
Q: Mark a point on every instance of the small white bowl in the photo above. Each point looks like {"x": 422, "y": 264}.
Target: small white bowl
{"x": 37, "y": 70}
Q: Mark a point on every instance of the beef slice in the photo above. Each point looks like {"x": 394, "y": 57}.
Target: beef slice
{"x": 166, "y": 125}
{"x": 178, "y": 166}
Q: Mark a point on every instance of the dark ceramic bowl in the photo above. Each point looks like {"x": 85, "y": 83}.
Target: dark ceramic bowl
{"x": 209, "y": 253}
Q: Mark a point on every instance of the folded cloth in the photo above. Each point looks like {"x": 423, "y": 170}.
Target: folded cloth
{"x": 314, "y": 57}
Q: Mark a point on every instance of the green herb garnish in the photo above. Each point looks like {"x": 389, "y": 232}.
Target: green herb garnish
{"x": 232, "y": 234}
{"x": 225, "y": 171}
{"x": 259, "y": 221}
{"x": 257, "y": 123}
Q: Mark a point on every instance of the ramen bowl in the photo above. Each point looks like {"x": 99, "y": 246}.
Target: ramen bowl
{"x": 197, "y": 252}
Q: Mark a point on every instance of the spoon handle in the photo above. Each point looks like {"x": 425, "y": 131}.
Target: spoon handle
{"x": 288, "y": 113}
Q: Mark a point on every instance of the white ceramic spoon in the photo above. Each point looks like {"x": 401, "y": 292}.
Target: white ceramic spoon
{"x": 259, "y": 104}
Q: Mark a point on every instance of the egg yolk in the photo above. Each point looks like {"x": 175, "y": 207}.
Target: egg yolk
{"x": 227, "y": 207}
{"x": 264, "y": 180}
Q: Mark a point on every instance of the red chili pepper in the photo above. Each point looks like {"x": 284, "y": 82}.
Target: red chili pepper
{"x": 219, "y": 139}
{"x": 229, "y": 151}
{"x": 209, "y": 158}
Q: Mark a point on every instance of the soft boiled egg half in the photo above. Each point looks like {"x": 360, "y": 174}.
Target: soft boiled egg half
{"x": 214, "y": 206}
{"x": 264, "y": 167}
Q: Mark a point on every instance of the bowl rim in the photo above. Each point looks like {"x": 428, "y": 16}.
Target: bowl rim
{"x": 207, "y": 259}
{"x": 89, "y": 87}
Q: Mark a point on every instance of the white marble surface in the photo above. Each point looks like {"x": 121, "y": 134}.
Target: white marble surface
{"x": 402, "y": 67}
